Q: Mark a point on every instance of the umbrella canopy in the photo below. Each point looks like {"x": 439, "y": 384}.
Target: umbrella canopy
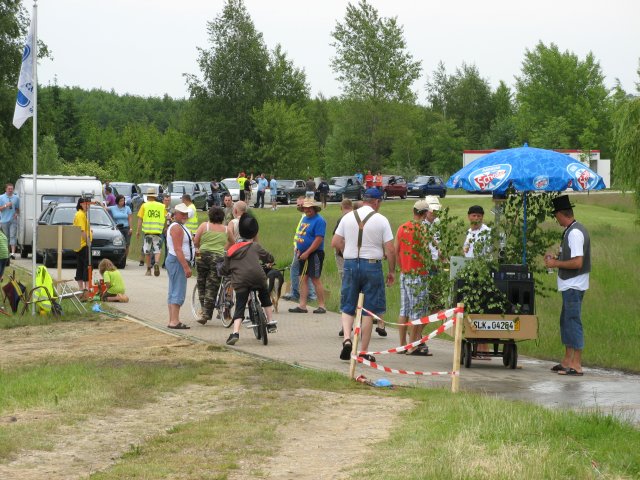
{"x": 526, "y": 169}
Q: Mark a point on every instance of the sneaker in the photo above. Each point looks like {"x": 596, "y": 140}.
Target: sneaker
{"x": 272, "y": 326}
{"x": 13, "y": 257}
{"x": 233, "y": 338}
{"x": 381, "y": 331}
{"x": 156, "y": 270}
{"x": 148, "y": 274}
{"x": 141, "y": 264}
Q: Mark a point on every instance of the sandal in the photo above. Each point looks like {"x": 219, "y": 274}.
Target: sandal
{"x": 345, "y": 353}
{"x": 571, "y": 371}
{"x": 558, "y": 368}
{"x": 298, "y": 310}
{"x": 367, "y": 357}
{"x": 320, "y": 310}
{"x": 179, "y": 326}
{"x": 381, "y": 331}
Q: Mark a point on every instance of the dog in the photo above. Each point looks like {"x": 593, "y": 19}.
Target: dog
{"x": 276, "y": 280}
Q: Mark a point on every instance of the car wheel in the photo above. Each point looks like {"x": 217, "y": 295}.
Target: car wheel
{"x": 24, "y": 252}
{"x": 122, "y": 263}
{"x": 402, "y": 197}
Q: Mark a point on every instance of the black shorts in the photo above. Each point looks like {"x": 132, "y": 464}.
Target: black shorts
{"x": 314, "y": 264}
{"x": 242, "y": 296}
{"x": 82, "y": 265}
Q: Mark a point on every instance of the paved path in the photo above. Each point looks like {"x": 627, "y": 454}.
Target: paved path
{"x": 311, "y": 341}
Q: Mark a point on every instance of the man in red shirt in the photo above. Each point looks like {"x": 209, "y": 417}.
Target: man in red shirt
{"x": 368, "y": 180}
{"x": 411, "y": 244}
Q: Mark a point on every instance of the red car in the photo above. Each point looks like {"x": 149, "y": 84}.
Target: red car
{"x": 394, "y": 186}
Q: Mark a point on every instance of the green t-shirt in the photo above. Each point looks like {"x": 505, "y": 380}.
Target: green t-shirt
{"x": 114, "y": 279}
{"x": 4, "y": 246}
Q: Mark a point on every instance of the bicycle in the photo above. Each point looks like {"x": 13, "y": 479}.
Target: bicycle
{"x": 225, "y": 300}
{"x": 258, "y": 318}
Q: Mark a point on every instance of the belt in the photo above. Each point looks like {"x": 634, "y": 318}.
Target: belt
{"x": 368, "y": 260}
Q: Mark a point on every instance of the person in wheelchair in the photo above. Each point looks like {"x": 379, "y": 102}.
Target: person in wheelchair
{"x": 243, "y": 263}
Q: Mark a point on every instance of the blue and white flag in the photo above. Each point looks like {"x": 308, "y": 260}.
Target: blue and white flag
{"x": 24, "y": 102}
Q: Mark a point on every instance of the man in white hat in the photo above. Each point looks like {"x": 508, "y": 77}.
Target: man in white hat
{"x": 151, "y": 218}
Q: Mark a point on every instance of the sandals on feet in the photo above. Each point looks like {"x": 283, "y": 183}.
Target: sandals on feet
{"x": 345, "y": 353}
{"x": 571, "y": 371}
{"x": 298, "y": 310}
{"x": 179, "y": 326}
{"x": 381, "y": 331}
{"x": 367, "y": 357}
{"x": 558, "y": 368}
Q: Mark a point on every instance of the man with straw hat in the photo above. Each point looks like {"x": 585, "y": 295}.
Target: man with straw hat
{"x": 309, "y": 241}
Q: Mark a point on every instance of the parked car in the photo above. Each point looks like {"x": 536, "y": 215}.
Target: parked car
{"x": 233, "y": 187}
{"x": 290, "y": 190}
{"x": 131, "y": 192}
{"x": 424, "y": 185}
{"x": 394, "y": 186}
{"x": 198, "y": 196}
{"x": 144, "y": 187}
{"x": 215, "y": 198}
{"x": 343, "y": 187}
{"x": 107, "y": 241}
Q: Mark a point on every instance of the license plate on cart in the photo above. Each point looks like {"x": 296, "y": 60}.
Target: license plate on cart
{"x": 95, "y": 253}
{"x": 497, "y": 325}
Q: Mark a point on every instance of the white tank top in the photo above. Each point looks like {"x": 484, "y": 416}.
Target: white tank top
{"x": 187, "y": 242}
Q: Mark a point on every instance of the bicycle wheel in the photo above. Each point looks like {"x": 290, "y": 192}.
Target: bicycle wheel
{"x": 225, "y": 302}
{"x": 196, "y": 308}
{"x": 253, "y": 316}
{"x": 262, "y": 322}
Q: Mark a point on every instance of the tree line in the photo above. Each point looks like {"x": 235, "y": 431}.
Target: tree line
{"x": 249, "y": 108}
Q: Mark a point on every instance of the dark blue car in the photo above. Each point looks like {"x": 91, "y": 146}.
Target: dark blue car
{"x": 424, "y": 185}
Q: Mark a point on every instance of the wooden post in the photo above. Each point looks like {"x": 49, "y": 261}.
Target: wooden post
{"x": 356, "y": 336}
{"x": 457, "y": 344}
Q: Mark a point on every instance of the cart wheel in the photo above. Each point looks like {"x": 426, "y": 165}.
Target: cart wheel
{"x": 467, "y": 354}
{"x": 506, "y": 354}
{"x": 513, "y": 356}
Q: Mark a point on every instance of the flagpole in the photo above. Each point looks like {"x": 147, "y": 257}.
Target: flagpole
{"x": 34, "y": 243}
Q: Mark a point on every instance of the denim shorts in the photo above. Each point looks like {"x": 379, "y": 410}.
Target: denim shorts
{"x": 570, "y": 319}
{"x": 177, "y": 281}
{"x": 361, "y": 276}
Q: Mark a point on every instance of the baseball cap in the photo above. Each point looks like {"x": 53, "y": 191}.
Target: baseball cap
{"x": 373, "y": 193}
{"x": 421, "y": 205}
{"x": 434, "y": 203}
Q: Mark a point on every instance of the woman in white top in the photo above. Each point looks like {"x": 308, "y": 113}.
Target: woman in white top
{"x": 181, "y": 254}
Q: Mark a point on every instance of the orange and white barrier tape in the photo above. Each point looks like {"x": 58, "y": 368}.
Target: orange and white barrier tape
{"x": 411, "y": 345}
{"x": 398, "y": 371}
{"x": 434, "y": 317}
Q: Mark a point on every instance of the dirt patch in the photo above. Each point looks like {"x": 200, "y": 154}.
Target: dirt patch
{"x": 322, "y": 444}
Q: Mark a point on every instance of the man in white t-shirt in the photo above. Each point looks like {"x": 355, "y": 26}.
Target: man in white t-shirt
{"x": 573, "y": 264}
{"x": 364, "y": 237}
{"x": 478, "y": 233}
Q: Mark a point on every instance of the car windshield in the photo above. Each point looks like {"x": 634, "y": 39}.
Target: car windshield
{"x": 97, "y": 216}
{"x": 231, "y": 184}
{"x": 286, "y": 183}
{"x": 340, "y": 182}
{"x": 146, "y": 186}
{"x": 421, "y": 179}
{"x": 177, "y": 187}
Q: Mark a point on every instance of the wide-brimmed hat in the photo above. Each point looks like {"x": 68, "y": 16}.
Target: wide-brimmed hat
{"x": 561, "y": 203}
{"x": 311, "y": 203}
{"x": 151, "y": 191}
{"x": 434, "y": 203}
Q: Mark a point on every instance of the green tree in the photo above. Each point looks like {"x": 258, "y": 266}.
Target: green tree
{"x": 372, "y": 60}
{"x": 288, "y": 83}
{"x": 627, "y": 146}
{"x": 49, "y": 161}
{"x": 562, "y": 98}
{"x": 286, "y": 145}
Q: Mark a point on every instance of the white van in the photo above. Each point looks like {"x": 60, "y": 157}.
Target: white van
{"x": 50, "y": 188}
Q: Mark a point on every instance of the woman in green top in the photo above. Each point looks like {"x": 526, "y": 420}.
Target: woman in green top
{"x": 209, "y": 241}
{"x": 113, "y": 282}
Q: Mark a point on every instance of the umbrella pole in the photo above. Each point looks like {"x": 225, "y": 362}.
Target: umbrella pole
{"x": 524, "y": 231}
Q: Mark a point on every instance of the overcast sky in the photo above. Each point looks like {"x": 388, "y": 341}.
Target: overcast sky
{"x": 143, "y": 47}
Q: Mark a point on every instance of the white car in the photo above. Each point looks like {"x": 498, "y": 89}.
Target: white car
{"x": 145, "y": 186}
{"x": 234, "y": 190}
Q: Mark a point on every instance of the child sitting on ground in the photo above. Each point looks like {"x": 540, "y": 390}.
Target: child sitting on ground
{"x": 114, "y": 285}
{"x": 243, "y": 263}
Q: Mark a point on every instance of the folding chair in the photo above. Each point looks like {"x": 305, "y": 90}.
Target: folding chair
{"x": 66, "y": 291}
{"x": 13, "y": 292}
